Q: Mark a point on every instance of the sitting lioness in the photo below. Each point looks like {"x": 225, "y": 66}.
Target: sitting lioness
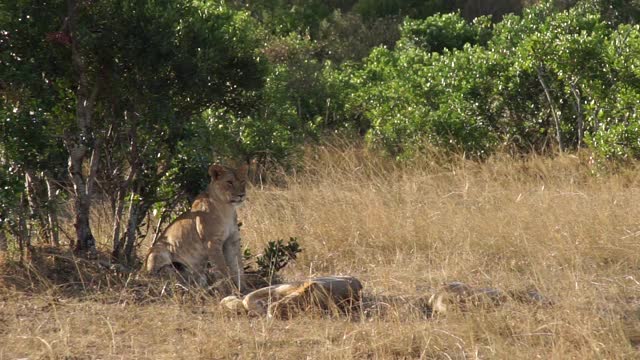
{"x": 331, "y": 293}
{"x": 208, "y": 234}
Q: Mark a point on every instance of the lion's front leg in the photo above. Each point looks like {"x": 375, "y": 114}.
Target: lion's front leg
{"x": 158, "y": 258}
{"x": 233, "y": 256}
{"x": 213, "y": 241}
{"x": 215, "y": 256}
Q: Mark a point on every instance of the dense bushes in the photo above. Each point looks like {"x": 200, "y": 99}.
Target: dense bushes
{"x": 544, "y": 79}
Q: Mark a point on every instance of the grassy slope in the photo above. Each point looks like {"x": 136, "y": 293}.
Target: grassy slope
{"x": 539, "y": 223}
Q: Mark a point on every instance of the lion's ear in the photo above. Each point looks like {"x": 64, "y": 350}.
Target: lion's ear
{"x": 216, "y": 171}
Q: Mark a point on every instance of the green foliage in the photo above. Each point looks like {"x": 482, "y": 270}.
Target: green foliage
{"x": 288, "y": 106}
{"x": 543, "y": 79}
{"x": 443, "y": 31}
{"x": 414, "y": 98}
{"x": 276, "y": 256}
{"x": 620, "y": 11}
{"x": 347, "y": 37}
{"x": 371, "y": 9}
{"x": 153, "y": 67}
{"x": 283, "y": 17}
{"x": 616, "y": 121}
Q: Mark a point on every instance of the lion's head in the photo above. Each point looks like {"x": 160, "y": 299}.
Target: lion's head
{"x": 228, "y": 184}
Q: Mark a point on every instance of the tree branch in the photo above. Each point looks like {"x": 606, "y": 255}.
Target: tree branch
{"x": 551, "y": 106}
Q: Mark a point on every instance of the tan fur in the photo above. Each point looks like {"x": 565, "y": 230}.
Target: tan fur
{"x": 208, "y": 234}
{"x": 344, "y": 294}
{"x": 333, "y": 293}
{"x": 457, "y": 295}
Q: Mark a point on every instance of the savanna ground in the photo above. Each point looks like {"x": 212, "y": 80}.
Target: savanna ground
{"x": 556, "y": 225}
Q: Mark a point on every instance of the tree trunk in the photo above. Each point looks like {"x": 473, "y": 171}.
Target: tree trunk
{"x": 78, "y": 144}
{"x": 120, "y": 241}
{"x": 138, "y": 211}
{"x": 85, "y": 242}
{"x": 84, "y": 238}
{"x": 36, "y": 213}
{"x": 33, "y": 204}
{"x": 129, "y": 249}
{"x": 576, "y": 95}
{"x": 52, "y": 216}
{"x": 117, "y": 219}
{"x": 130, "y": 236}
{"x": 3, "y": 241}
{"x": 547, "y": 93}
{"x": 123, "y": 189}
{"x": 24, "y": 240}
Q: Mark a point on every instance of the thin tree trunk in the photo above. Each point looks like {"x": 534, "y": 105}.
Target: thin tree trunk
{"x": 123, "y": 189}
{"x": 122, "y": 241}
{"x": 132, "y": 225}
{"x": 4, "y": 246}
{"x": 326, "y": 114}
{"x": 32, "y": 202}
{"x": 52, "y": 215}
{"x": 139, "y": 211}
{"x": 119, "y": 245}
{"x": 85, "y": 242}
{"x": 84, "y": 238}
{"x": 132, "y": 244}
{"x": 24, "y": 241}
{"x": 552, "y": 107}
{"x": 117, "y": 219}
{"x": 576, "y": 95}
{"x": 36, "y": 209}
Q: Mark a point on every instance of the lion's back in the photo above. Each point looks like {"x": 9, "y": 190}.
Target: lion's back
{"x": 181, "y": 231}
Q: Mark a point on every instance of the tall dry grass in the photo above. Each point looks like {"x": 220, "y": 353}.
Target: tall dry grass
{"x": 554, "y": 225}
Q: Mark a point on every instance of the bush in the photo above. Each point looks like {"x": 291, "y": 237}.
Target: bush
{"x": 275, "y": 256}
{"x": 444, "y": 31}
{"x": 544, "y": 80}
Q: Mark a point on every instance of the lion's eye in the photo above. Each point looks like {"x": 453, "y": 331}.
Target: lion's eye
{"x": 230, "y": 182}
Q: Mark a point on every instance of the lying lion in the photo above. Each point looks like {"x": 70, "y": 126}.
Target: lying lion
{"x": 343, "y": 294}
{"x": 339, "y": 294}
{"x": 462, "y": 296}
{"x": 207, "y": 235}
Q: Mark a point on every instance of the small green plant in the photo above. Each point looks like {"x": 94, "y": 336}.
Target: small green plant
{"x": 275, "y": 256}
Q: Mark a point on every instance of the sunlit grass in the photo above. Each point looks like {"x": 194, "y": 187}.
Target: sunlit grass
{"x": 555, "y": 225}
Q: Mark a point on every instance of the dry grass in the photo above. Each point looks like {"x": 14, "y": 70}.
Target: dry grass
{"x": 548, "y": 224}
